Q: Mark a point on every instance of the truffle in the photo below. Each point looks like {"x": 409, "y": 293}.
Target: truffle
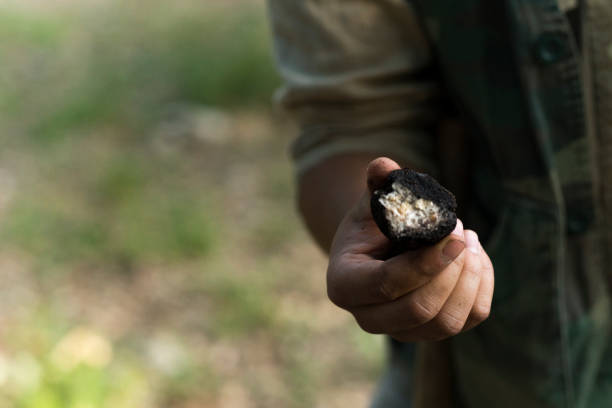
{"x": 413, "y": 210}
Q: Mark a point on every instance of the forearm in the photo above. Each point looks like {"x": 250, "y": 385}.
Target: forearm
{"x": 348, "y": 93}
{"x": 327, "y": 191}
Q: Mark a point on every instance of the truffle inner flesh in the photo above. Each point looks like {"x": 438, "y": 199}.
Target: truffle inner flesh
{"x": 404, "y": 211}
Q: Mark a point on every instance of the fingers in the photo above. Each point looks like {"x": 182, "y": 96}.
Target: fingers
{"x": 409, "y": 271}
{"x": 455, "y": 300}
{"x": 482, "y": 306}
{"x": 413, "y": 309}
{"x": 458, "y": 307}
{"x": 353, "y": 280}
{"x": 378, "y": 170}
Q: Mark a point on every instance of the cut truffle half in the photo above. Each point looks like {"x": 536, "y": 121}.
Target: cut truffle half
{"x": 413, "y": 210}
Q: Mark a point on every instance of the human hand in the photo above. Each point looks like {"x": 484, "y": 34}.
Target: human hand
{"x": 426, "y": 294}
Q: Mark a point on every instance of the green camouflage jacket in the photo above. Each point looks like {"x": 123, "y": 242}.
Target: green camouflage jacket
{"x": 513, "y": 72}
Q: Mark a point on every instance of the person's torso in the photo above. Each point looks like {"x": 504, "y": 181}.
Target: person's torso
{"x": 516, "y": 71}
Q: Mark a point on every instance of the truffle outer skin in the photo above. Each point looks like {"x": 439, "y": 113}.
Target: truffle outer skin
{"x": 422, "y": 186}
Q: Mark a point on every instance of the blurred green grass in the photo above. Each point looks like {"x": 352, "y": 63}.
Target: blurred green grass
{"x": 128, "y": 67}
{"x": 120, "y": 64}
{"x": 146, "y": 209}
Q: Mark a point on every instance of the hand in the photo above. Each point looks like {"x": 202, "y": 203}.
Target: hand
{"x": 426, "y": 294}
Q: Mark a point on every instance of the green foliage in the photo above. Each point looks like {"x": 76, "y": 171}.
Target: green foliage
{"x": 130, "y": 66}
{"x": 222, "y": 64}
{"x": 370, "y": 350}
{"x": 273, "y": 231}
{"x": 125, "y": 217}
{"x": 83, "y": 386}
{"x": 123, "y": 178}
{"x": 108, "y": 218}
{"x": 52, "y": 234}
{"x": 302, "y": 379}
{"x": 159, "y": 225}
{"x": 243, "y": 305}
{"x": 189, "y": 381}
{"x": 30, "y": 29}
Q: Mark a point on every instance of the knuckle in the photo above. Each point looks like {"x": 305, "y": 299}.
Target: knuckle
{"x": 449, "y": 325}
{"x": 472, "y": 269}
{"x": 424, "y": 266}
{"x": 333, "y": 296}
{"x": 368, "y": 326}
{"x": 334, "y": 289}
{"x": 421, "y": 312}
{"x": 337, "y": 296}
{"x": 459, "y": 261}
{"x": 385, "y": 287}
{"x": 488, "y": 268}
{"x": 480, "y": 313}
{"x": 334, "y": 293}
{"x": 429, "y": 263}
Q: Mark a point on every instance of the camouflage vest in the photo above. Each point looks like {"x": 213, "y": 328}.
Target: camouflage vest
{"x": 513, "y": 68}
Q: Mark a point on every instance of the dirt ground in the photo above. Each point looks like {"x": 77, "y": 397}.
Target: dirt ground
{"x": 150, "y": 253}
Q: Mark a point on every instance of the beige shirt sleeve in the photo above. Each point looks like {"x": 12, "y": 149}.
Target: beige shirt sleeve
{"x": 357, "y": 79}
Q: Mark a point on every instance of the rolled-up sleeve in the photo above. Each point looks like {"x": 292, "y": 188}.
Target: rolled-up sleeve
{"x": 358, "y": 78}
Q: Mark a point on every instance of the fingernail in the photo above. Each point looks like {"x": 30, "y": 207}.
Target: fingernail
{"x": 451, "y": 250}
{"x": 471, "y": 240}
{"x": 458, "y": 228}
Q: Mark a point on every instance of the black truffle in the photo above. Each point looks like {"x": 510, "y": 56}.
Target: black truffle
{"x": 413, "y": 210}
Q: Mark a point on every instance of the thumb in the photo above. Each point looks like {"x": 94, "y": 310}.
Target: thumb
{"x": 358, "y": 229}
{"x": 377, "y": 172}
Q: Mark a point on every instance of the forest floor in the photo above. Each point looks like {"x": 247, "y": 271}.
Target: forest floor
{"x": 150, "y": 253}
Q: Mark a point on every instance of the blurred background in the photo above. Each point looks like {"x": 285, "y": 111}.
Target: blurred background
{"x": 150, "y": 254}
